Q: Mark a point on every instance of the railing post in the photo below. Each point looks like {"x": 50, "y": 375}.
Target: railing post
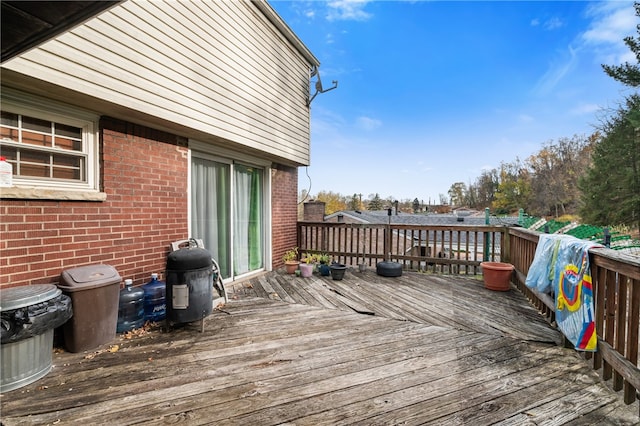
{"x": 485, "y": 257}
{"x": 521, "y": 216}
{"x": 505, "y": 246}
{"x": 387, "y": 239}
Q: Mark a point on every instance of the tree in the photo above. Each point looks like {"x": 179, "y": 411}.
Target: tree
{"x": 513, "y": 188}
{"x": 555, "y": 171}
{"x": 457, "y": 194}
{"x": 354, "y": 202}
{"x": 375, "y": 203}
{"x": 486, "y": 185}
{"x": 627, "y": 73}
{"x": 611, "y": 186}
{"x": 416, "y": 205}
{"x": 333, "y": 201}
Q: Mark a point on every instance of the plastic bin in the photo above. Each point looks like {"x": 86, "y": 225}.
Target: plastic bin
{"x": 29, "y": 316}
{"x": 94, "y": 292}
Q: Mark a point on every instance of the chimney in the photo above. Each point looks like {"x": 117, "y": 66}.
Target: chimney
{"x": 313, "y": 211}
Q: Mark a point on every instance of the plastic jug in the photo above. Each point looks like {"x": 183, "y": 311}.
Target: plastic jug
{"x": 155, "y": 306}
{"x": 130, "y": 307}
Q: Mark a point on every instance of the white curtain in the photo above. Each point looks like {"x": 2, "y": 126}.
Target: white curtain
{"x": 210, "y": 209}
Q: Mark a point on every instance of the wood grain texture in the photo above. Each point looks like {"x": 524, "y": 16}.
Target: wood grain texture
{"x": 370, "y": 350}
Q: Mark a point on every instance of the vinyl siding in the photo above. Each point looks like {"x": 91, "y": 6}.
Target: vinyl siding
{"x": 221, "y": 68}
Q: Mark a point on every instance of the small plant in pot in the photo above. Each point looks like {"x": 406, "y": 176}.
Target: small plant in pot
{"x": 308, "y": 264}
{"x": 324, "y": 260}
{"x": 290, "y": 260}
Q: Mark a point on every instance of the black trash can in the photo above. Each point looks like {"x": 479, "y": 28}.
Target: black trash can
{"x": 29, "y": 315}
{"x": 94, "y": 292}
{"x": 189, "y": 285}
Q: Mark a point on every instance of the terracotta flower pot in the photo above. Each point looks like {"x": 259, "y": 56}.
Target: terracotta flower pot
{"x": 290, "y": 266}
{"x": 497, "y": 275}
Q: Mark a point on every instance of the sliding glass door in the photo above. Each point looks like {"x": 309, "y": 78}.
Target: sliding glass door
{"x": 227, "y": 206}
{"x": 247, "y": 223}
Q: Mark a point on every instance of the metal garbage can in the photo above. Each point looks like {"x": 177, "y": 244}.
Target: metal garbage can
{"x": 94, "y": 292}
{"x": 29, "y": 315}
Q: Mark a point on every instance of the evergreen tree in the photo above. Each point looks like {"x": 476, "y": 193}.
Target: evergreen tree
{"x": 627, "y": 73}
{"x": 354, "y": 202}
{"x": 416, "y": 205}
{"x": 611, "y": 186}
{"x": 375, "y": 203}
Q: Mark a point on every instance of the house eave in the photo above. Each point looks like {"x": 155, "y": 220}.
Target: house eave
{"x": 286, "y": 31}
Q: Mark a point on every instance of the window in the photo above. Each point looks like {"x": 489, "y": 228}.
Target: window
{"x": 49, "y": 145}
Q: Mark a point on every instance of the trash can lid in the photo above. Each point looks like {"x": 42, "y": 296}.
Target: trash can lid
{"x": 88, "y": 277}
{"x": 27, "y": 295}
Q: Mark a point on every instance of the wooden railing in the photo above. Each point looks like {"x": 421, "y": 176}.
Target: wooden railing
{"x": 461, "y": 249}
{"x": 616, "y": 286}
{"x": 450, "y": 249}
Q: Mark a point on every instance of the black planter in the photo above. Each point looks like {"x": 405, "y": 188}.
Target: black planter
{"x": 337, "y": 271}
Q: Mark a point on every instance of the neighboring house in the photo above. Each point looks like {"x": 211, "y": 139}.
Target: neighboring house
{"x": 133, "y": 124}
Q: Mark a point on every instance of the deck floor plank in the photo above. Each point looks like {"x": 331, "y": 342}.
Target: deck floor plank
{"x": 366, "y": 350}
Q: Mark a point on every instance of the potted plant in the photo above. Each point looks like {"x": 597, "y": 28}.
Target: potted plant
{"x": 307, "y": 265}
{"x": 324, "y": 260}
{"x": 497, "y": 275}
{"x": 291, "y": 261}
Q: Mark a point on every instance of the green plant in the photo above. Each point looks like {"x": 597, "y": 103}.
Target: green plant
{"x": 324, "y": 258}
{"x": 310, "y": 258}
{"x": 290, "y": 255}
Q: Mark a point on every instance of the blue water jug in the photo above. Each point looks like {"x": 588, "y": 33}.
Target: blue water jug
{"x": 155, "y": 306}
{"x": 130, "y": 307}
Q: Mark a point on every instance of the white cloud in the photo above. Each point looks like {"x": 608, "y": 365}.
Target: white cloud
{"x": 329, "y": 38}
{"x": 525, "y": 118}
{"x": 368, "y": 123}
{"x": 553, "y": 23}
{"x": 612, "y": 22}
{"x": 344, "y": 10}
{"x": 586, "y": 109}
{"x": 556, "y": 73}
{"x": 549, "y": 25}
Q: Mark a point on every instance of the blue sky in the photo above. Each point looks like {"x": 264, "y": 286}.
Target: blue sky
{"x": 432, "y": 92}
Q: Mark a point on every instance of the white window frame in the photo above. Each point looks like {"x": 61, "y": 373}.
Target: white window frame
{"x": 49, "y": 110}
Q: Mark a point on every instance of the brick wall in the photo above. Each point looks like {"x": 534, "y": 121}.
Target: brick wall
{"x": 314, "y": 211}
{"x": 284, "y": 211}
{"x": 144, "y": 174}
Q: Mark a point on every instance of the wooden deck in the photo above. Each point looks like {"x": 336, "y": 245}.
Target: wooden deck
{"x": 369, "y": 350}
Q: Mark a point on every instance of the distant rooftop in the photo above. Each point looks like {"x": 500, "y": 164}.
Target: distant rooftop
{"x": 465, "y": 217}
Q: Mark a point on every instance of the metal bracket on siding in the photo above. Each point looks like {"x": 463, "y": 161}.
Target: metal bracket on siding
{"x": 319, "y": 89}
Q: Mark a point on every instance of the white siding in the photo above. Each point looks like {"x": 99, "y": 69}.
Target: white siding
{"x": 218, "y": 67}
